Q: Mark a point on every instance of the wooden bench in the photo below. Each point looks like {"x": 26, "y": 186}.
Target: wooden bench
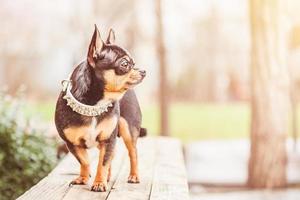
{"x": 162, "y": 175}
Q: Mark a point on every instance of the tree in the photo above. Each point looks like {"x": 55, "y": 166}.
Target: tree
{"x": 270, "y": 95}
{"x": 163, "y": 86}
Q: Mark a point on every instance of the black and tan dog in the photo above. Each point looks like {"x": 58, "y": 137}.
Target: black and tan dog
{"x": 97, "y": 104}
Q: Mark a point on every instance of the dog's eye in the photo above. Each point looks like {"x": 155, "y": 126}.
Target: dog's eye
{"x": 124, "y": 63}
{"x": 125, "y": 66}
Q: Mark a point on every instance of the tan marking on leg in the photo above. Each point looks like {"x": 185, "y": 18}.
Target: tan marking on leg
{"x": 82, "y": 156}
{"x": 132, "y": 152}
{"x": 100, "y": 182}
{"x": 109, "y": 173}
{"x": 74, "y": 134}
{"x": 109, "y": 168}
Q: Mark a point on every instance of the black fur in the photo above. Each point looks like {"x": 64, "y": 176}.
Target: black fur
{"x": 88, "y": 87}
{"x": 143, "y": 132}
{"x": 130, "y": 110}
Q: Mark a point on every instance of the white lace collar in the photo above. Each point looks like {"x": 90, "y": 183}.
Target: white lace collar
{"x": 83, "y": 109}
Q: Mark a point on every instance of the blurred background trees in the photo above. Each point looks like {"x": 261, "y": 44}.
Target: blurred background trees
{"x": 209, "y": 39}
{"x": 211, "y": 64}
{"x": 270, "y": 101}
{"x": 163, "y": 78}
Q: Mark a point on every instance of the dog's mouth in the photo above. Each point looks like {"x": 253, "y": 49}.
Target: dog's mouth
{"x": 136, "y": 78}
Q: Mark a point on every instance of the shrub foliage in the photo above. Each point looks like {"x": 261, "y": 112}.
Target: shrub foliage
{"x": 26, "y": 155}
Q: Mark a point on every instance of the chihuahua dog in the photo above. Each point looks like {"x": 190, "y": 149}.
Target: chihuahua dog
{"x": 96, "y": 105}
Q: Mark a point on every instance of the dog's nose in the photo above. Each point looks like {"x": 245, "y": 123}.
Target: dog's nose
{"x": 142, "y": 72}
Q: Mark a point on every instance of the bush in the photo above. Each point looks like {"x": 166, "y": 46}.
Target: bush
{"x": 26, "y": 155}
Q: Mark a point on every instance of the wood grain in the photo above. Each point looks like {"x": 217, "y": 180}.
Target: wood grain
{"x": 161, "y": 167}
{"x": 84, "y": 191}
{"x": 146, "y": 157}
{"x": 169, "y": 181}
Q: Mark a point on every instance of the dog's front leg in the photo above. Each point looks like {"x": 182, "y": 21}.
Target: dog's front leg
{"x": 82, "y": 156}
{"x": 105, "y": 157}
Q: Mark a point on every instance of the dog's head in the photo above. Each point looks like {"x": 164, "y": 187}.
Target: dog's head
{"x": 113, "y": 64}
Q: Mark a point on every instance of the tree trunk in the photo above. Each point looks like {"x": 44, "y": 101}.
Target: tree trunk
{"x": 294, "y": 109}
{"x": 163, "y": 86}
{"x": 270, "y": 95}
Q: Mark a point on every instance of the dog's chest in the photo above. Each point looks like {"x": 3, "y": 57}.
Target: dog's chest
{"x": 89, "y": 135}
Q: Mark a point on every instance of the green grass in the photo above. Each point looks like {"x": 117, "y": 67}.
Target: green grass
{"x": 43, "y": 110}
{"x": 187, "y": 121}
{"x": 202, "y": 121}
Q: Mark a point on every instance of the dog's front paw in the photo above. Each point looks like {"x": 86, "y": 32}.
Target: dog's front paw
{"x": 79, "y": 181}
{"x": 133, "y": 178}
{"x": 99, "y": 186}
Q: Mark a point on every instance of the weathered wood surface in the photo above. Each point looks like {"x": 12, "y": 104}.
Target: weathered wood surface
{"x": 162, "y": 175}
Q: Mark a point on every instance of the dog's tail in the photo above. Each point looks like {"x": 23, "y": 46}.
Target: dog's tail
{"x": 143, "y": 132}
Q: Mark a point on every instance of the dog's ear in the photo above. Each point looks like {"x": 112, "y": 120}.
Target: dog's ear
{"x": 111, "y": 37}
{"x": 95, "y": 47}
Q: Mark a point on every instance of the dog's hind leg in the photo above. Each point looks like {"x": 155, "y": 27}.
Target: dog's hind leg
{"x": 109, "y": 173}
{"x": 130, "y": 143}
{"x": 81, "y": 155}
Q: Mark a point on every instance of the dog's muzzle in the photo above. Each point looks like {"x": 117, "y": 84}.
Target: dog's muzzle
{"x": 142, "y": 73}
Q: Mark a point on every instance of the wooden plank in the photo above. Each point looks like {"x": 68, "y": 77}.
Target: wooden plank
{"x": 146, "y": 158}
{"x": 169, "y": 181}
{"x": 48, "y": 188}
{"x": 84, "y": 192}
{"x": 161, "y": 166}
{"x": 56, "y": 183}
{"x": 69, "y": 168}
